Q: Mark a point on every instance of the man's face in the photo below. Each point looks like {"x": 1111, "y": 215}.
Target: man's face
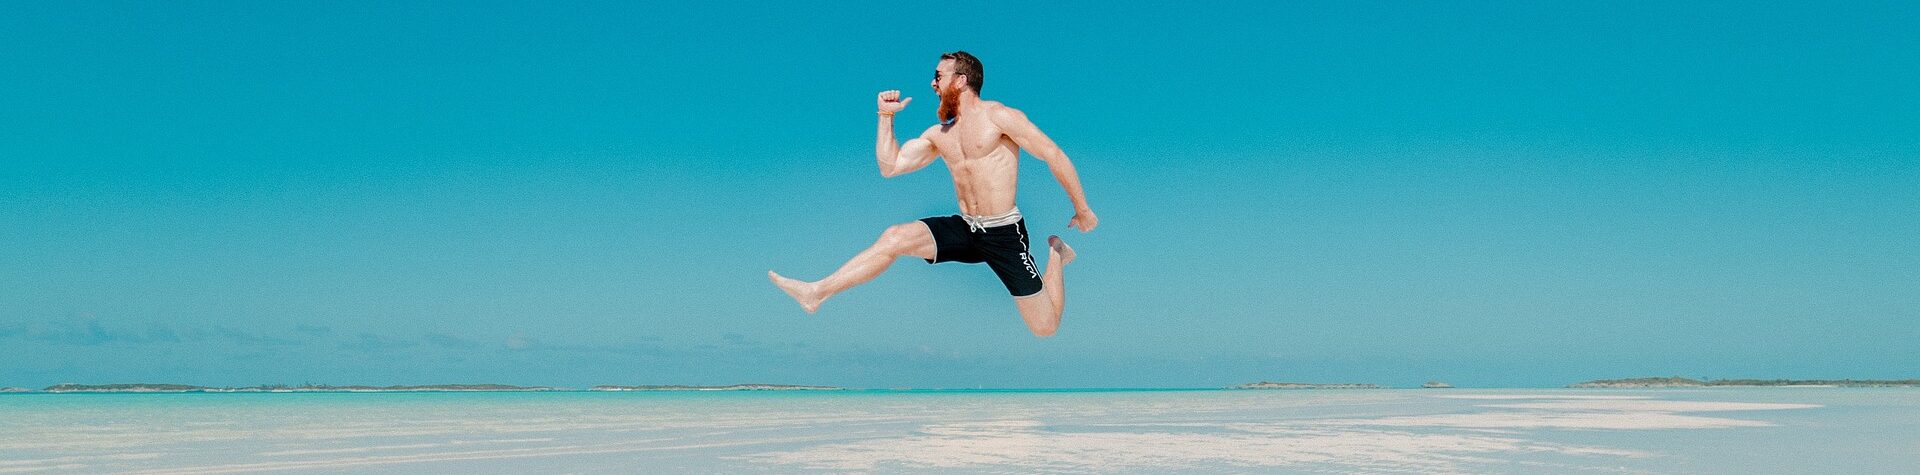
{"x": 943, "y": 77}
{"x": 948, "y": 87}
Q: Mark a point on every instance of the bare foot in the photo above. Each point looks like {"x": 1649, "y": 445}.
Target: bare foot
{"x": 1060, "y": 249}
{"x": 800, "y": 291}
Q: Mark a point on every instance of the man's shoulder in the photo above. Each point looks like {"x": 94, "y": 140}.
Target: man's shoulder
{"x": 932, "y": 130}
{"x": 1001, "y": 113}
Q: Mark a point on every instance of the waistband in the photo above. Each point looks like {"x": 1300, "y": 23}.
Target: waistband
{"x": 981, "y": 223}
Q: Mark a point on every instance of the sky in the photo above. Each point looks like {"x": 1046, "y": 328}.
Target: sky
{"x": 1491, "y": 194}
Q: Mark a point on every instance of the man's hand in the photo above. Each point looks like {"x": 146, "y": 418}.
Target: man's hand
{"x": 890, "y": 102}
{"x": 1084, "y": 220}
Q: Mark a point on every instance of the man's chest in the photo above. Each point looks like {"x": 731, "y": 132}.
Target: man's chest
{"x": 961, "y": 142}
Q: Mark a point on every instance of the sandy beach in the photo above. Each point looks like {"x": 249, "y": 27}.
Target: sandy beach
{"x": 1797, "y": 430}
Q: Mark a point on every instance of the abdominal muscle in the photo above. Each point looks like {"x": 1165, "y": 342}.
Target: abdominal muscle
{"x": 986, "y": 185}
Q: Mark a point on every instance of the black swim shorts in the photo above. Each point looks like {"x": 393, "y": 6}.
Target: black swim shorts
{"x": 1004, "y": 248}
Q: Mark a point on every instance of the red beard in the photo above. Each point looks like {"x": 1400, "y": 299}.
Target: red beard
{"x": 949, "y": 106}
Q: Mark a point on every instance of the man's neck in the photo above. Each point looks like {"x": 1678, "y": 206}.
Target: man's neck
{"x": 969, "y": 103}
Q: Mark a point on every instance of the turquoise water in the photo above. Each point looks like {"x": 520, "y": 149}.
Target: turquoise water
{"x": 1759, "y": 430}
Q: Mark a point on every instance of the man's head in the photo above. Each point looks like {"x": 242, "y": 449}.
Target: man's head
{"x": 957, "y": 73}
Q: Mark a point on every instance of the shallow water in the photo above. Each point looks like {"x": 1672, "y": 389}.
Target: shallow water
{"x": 1755, "y": 430}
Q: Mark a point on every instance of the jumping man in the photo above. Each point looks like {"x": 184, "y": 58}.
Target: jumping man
{"x": 981, "y": 141}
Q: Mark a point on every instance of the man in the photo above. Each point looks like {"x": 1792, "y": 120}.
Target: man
{"x": 981, "y": 141}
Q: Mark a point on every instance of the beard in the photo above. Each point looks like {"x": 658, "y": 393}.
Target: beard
{"x": 949, "y": 105}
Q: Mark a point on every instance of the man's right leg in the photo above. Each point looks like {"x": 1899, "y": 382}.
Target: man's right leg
{"x": 904, "y": 239}
{"x": 1042, "y": 311}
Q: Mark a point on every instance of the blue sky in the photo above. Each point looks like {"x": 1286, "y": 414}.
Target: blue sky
{"x": 1486, "y": 193}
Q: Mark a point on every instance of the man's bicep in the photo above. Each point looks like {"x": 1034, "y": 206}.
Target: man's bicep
{"x": 917, "y": 150}
{"x": 914, "y": 154}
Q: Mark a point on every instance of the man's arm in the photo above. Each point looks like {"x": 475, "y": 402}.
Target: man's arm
{"x": 896, "y": 159}
{"x": 1015, "y": 124}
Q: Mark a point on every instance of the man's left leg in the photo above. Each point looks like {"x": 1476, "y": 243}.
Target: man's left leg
{"x": 904, "y": 239}
{"x": 1042, "y": 310}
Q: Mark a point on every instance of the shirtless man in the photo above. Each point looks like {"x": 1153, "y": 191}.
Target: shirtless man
{"x": 981, "y": 141}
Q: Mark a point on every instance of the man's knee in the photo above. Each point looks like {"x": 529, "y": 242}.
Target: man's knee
{"x": 1044, "y": 331}
{"x": 1040, "y": 313}
{"x": 897, "y": 239}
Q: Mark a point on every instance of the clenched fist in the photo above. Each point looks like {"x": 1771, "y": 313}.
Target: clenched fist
{"x": 1084, "y": 220}
{"x": 890, "y": 102}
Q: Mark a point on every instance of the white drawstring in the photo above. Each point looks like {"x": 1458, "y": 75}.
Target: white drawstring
{"x": 981, "y": 223}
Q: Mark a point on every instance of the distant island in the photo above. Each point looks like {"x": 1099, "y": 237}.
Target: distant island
{"x": 325, "y": 388}
{"x": 734, "y": 387}
{"x": 1679, "y": 382}
{"x": 281, "y": 388}
{"x": 1273, "y": 385}
{"x": 1436, "y": 385}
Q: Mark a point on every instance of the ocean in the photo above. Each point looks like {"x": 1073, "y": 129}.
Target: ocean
{"x": 1713, "y": 430}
